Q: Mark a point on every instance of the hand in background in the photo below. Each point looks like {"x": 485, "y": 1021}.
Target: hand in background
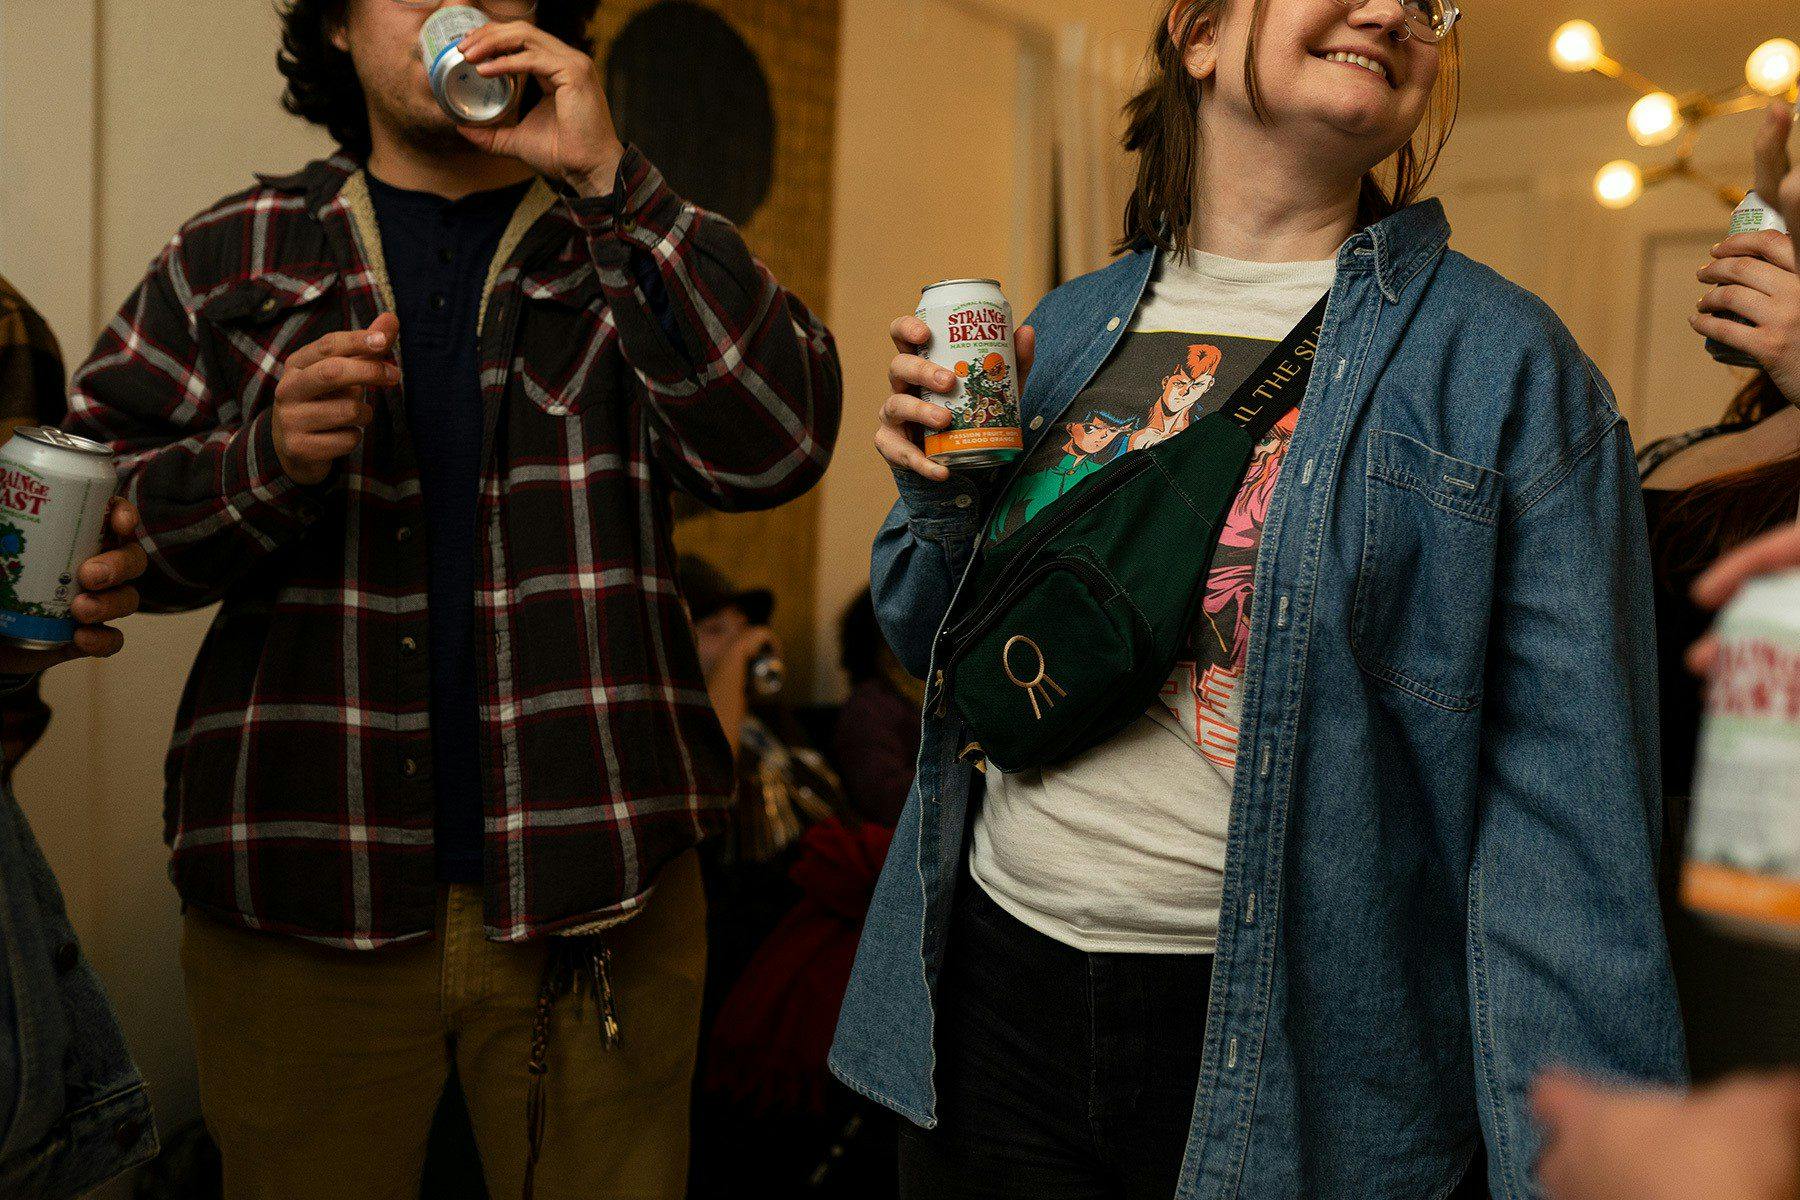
{"x": 1754, "y": 274}
{"x": 728, "y": 682}
{"x": 1738, "y": 1139}
{"x": 1778, "y": 550}
{"x": 106, "y": 595}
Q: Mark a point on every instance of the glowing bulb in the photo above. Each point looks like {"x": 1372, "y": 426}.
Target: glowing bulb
{"x": 1655, "y": 119}
{"x": 1577, "y": 47}
{"x": 1773, "y": 66}
{"x": 1619, "y": 184}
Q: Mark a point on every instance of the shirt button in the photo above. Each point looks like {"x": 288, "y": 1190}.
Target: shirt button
{"x": 270, "y": 305}
{"x": 439, "y": 302}
{"x": 67, "y": 955}
{"x": 409, "y": 644}
{"x": 403, "y": 534}
{"x": 1112, "y": 324}
{"x": 1037, "y": 422}
{"x": 964, "y": 501}
{"x": 127, "y": 1133}
{"x": 410, "y": 768}
{"x": 446, "y": 255}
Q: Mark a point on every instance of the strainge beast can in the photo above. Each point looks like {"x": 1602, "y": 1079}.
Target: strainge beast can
{"x": 55, "y": 489}
{"x": 1743, "y": 855}
{"x": 972, "y": 335}
{"x": 468, "y": 96}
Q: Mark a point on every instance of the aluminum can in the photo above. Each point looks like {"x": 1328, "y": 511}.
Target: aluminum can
{"x": 972, "y": 334}
{"x": 768, "y": 674}
{"x": 1743, "y": 854}
{"x": 468, "y": 96}
{"x": 1752, "y": 216}
{"x": 55, "y": 489}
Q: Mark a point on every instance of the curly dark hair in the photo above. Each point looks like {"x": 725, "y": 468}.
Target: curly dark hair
{"x": 322, "y": 86}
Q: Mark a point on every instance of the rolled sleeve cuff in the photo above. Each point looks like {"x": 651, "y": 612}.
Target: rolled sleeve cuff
{"x": 259, "y": 491}
{"x": 641, "y": 206}
{"x": 944, "y": 511}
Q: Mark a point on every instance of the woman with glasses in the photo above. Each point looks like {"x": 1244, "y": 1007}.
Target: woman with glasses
{"x": 1304, "y": 915}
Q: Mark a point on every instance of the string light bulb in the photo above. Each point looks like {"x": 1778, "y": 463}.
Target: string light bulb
{"x": 1655, "y": 120}
{"x": 1773, "y": 67}
{"x": 1619, "y": 184}
{"x": 1576, "y": 47}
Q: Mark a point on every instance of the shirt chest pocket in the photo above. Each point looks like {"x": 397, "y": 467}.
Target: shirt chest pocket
{"x": 262, "y": 321}
{"x": 1424, "y": 587}
{"x": 565, "y": 330}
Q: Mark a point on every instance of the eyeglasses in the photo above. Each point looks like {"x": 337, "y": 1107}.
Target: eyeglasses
{"x": 1428, "y": 20}
{"x": 500, "y": 10}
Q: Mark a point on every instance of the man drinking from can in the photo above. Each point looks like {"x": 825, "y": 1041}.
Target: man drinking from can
{"x": 414, "y": 414}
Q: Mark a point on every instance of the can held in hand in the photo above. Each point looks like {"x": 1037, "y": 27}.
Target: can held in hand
{"x": 972, "y": 335}
{"x": 55, "y": 490}
{"x": 1752, "y": 216}
{"x": 768, "y": 674}
{"x": 470, "y": 97}
{"x": 1743, "y": 856}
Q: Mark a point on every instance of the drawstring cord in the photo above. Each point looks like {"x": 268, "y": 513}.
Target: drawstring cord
{"x": 579, "y": 965}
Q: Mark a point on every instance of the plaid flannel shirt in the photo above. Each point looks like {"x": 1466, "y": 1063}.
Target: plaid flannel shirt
{"x": 629, "y": 345}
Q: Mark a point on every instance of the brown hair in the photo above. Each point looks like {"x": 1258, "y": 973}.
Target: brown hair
{"x": 1163, "y": 130}
{"x": 1718, "y": 514}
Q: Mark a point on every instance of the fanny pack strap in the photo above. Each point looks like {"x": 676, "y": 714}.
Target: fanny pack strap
{"x": 1274, "y": 389}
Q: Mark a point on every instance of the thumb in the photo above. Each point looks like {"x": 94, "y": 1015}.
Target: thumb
{"x": 1772, "y": 159}
{"x": 1025, "y": 352}
{"x": 387, "y": 323}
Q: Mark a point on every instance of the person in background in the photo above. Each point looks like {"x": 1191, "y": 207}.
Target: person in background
{"x": 1740, "y": 1136}
{"x": 31, "y": 393}
{"x": 1706, "y": 492}
{"x": 74, "y": 1111}
{"x": 1737, "y": 1139}
{"x": 744, "y": 1131}
{"x": 414, "y": 416}
{"x": 876, "y": 740}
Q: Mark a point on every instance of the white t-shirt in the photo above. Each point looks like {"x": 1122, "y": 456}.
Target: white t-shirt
{"x": 1123, "y": 849}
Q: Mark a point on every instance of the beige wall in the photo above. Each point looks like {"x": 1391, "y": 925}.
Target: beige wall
{"x": 118, "y": 120}
{"x": 1518, "y": 189}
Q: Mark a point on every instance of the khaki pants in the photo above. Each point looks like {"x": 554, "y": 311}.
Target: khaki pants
{"x": 320, "y": 1069}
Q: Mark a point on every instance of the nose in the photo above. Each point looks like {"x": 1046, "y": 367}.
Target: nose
{"x": 1384, "y": 16}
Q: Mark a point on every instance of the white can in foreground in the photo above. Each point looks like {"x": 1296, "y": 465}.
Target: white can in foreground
{"x": 470, "y": 97}
{"x": 55, "y": 490}
{"x": 1743, "y": 856}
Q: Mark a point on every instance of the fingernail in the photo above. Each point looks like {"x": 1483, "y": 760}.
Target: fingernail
{"x": 377, "y": 340}
{"x": 945, "y": 379}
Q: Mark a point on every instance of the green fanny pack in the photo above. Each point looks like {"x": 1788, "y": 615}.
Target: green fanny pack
{"x": 1066, "y": 632}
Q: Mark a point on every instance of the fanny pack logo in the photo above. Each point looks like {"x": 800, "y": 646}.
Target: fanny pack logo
{"x": 1040, "y": 685}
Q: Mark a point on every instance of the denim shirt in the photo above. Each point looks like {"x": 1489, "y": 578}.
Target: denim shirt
{"x": 1439, "y": 875}
{"x": 73, "y": 1111}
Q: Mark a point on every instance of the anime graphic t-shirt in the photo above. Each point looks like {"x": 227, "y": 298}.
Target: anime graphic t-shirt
{"x": 1123, "y": 848}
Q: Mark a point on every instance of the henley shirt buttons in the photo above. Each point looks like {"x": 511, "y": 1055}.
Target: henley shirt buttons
{"x": 403, "y": 534}
{"x": 408, "y": 644}
{"x": 410, "y": 768}
{"x": 439, "y": 301}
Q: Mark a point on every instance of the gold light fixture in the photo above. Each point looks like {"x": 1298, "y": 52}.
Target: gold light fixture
{"x": 1660, "y": 117}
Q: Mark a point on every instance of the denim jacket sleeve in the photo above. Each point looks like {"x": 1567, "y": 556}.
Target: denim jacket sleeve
{"x": 919, "y": 555}
{"x": 1567, "y": 958}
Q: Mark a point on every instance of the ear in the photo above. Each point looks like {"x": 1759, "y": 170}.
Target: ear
{"x": 340, "y": 37}
{"x": 1200, "y": 54}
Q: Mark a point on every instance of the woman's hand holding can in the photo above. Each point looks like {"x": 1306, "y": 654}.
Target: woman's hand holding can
{"x": 905, "y": 416}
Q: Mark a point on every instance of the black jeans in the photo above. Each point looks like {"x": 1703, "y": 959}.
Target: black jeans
{"x": 1061, "y": 1075}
